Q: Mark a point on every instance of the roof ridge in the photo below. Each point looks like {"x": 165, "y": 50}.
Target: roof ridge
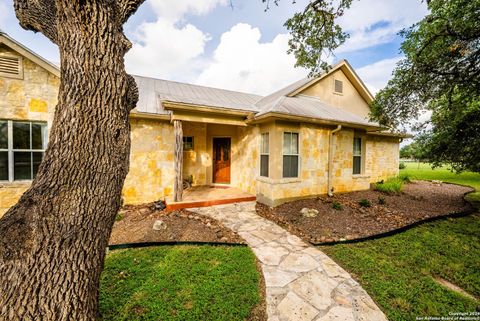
{"x": 202, "y": 86}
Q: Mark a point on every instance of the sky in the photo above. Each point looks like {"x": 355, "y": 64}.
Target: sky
{"x": 244, "y": 47}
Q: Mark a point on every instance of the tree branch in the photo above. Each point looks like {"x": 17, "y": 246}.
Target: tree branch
{"x": 127, "y": 8}
{"x": 38, "y": 16}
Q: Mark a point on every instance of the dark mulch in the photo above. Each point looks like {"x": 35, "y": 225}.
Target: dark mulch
{"x": 420, "y": 200}
{"x": 134, "y": 224}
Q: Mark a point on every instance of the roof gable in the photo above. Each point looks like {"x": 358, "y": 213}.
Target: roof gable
{"x": 27, "y": 53}
{"x": 351, "y": 75}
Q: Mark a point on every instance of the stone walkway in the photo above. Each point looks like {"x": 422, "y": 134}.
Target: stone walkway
{"x": 302, "y": 283}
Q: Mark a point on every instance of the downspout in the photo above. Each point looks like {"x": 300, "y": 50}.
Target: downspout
{"x": 331, "y": 153}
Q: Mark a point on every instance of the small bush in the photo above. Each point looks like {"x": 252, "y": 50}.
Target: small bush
{"x": 405, "y": 177}
{"x": 402, "y": 165}
{"x": 118, "y": 218}
{"x": 337, "y": 206}
{"x": 382, "y": 200}
{"x": 390, "y": 186}
{"x": 364, "y": 203}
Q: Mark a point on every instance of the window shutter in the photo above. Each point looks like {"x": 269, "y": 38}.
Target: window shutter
{"x": 338, "y": 86}
{"x": 10, "y": 66}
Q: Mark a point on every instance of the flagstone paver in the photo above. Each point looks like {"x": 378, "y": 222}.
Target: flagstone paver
{"x": 302, "y": 283}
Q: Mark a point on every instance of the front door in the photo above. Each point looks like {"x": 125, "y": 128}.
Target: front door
{"x": 221, "y": 160}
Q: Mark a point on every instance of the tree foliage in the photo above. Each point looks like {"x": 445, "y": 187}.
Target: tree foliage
{"x": 440, "y": 73}
{"x": 315, "y": 32}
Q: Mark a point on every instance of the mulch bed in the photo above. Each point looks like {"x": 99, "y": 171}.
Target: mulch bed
{"x": 135, "y": 225}
{"x": 419, "y": 201}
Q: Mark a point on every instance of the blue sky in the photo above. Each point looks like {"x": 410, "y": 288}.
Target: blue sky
{"x": 242, "y": 48}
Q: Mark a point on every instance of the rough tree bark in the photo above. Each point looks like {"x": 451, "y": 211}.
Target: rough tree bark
{"x": 53, "y": 241}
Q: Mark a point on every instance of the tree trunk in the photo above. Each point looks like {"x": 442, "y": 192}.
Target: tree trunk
{"x": 178, "y": 184}
{"x": 53, "y": 241}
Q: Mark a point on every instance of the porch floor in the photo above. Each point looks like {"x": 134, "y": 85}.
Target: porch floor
{"x": 203, "y": 196}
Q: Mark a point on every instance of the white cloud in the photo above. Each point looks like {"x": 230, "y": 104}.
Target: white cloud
{"x": 376, "y": 75}
{"x": 241, "y": 62}
{"x": 373, "y": 22}
{"x": 168, "y": 48}
{"x": 175, "y": 10}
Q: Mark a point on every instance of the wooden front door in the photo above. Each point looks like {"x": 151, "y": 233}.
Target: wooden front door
{"x": 221, "y": 160}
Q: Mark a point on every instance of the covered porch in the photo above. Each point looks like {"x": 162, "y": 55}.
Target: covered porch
{"x": 211, "y": 158}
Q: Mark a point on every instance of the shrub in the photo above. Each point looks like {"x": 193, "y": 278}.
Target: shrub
{"x": 337, "y": 206}
{"x": 390, "y": 186}
{"x": 402, "y": 165}
{"x": 119, "y": 217}
{"x": 382, "y": 200}
{"x": 405, "y": 177}
{"x": 364, "y": 203}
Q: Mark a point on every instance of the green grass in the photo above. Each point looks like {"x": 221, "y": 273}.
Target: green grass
{"x": 179, "y": 283}
{"x": 390, "y": 186}
{"x": 398, "y": 271}
{"x": 424, "y": 171}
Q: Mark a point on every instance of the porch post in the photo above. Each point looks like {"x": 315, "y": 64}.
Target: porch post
{"x": 178, "y": 184}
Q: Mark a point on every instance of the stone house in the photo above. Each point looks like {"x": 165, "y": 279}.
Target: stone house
{"x": 310, "y": 138}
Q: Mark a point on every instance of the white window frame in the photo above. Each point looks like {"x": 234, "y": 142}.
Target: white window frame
{"x": 10, "y": 150}
{"x": 361, "y": 155}
{"x": 297, "y": 154}
{"x": 193, "y": 143}
{"x": 265, "y": 151}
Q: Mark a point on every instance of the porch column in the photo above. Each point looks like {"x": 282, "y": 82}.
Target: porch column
{"x": 178, "y": 184}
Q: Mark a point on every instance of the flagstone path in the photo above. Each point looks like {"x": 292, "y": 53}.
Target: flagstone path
{"x": 302, "y": 283}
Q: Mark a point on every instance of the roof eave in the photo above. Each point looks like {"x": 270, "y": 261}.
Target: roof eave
{"x": 281, "y": 116}
{"x": 171, "y": 105}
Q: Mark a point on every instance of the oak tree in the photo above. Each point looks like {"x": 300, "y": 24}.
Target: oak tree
{"x": 53, "y": 241}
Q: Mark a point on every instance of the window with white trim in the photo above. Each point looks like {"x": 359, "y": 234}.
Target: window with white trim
{"x": 22, "y": 145}
{"x": 357, "y": 155}
{"x": 264, "y": 154}
{"x": 290, "y": 154}
{"x": 187, "y": 143}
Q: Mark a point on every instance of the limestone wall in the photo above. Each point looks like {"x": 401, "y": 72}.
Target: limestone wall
{"x": 196, "y": 161}
{"x": 380, "y": 162}
{"x": 247, "y": 159}
{"x": 32, "y": 98}
{"x": 151, "y": 173}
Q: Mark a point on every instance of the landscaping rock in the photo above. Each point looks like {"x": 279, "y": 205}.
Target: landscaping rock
{"x": 309, "y": 212}
{"x": 159, "y": 225}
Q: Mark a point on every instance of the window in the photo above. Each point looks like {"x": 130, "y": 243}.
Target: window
{"x": 22, "y": 145}
{"x": 357, "y": 156}
{"x": 338, "y": 86}
{"x": 187, "y": 142}
{"x": 290, "y": 154}
{"x": 264, "y": 154}
{"x": 11, "y": 66}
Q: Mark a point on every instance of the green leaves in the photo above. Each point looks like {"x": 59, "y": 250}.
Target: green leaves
{"x": 315, "y": 33}
{"x": 441, "y": 74}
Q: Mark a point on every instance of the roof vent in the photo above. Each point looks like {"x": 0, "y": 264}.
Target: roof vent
{"x": 10, "y": 66}
{"x": 338, "y": 86}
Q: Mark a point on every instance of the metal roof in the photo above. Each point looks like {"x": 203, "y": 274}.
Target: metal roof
{"x": 311, "y": 107}
{"x": 152, "y": 92}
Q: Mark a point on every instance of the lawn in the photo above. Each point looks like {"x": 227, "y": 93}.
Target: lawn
{"x": 424, "y": 171}
{"x": 399, "y": 271}
{"x": 179, "y": 283}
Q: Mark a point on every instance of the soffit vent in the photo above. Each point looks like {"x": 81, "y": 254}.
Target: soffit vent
{"x": 338, "y": 86}
{"x": 10, "y": 66}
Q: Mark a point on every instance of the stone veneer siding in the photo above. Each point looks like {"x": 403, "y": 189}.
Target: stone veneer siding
{"x": 380, "y": 162}
{"x": 151, "y": 172}
{"x": 32, "y": 98}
